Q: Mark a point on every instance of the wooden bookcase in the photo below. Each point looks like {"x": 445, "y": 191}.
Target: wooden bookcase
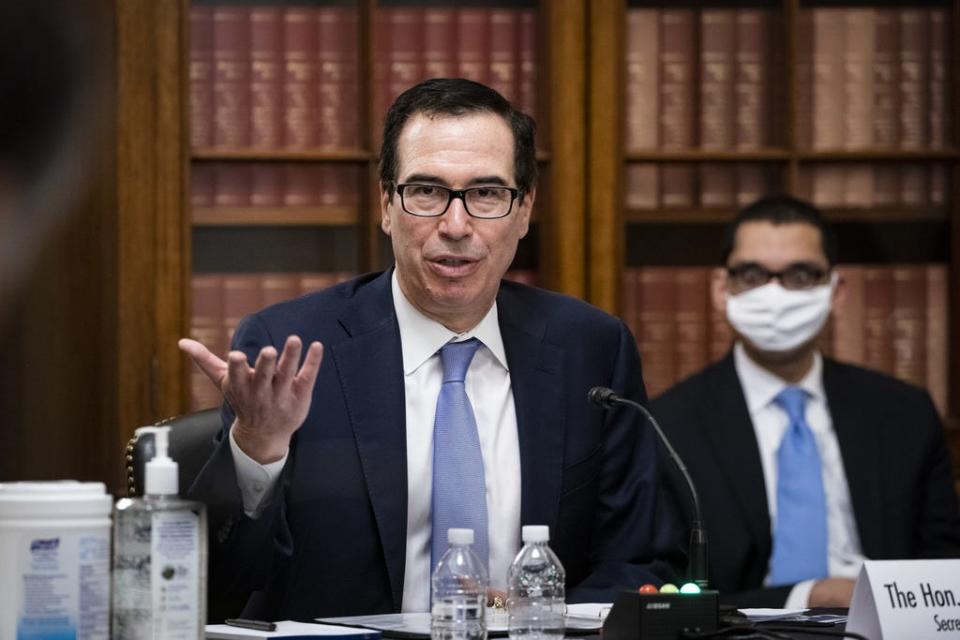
{"x": 619, "y": 237}
{"x": 132, "y": 261}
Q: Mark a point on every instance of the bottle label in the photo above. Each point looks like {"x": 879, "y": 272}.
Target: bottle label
{"x": 175, "y": 574}
{"x": 64, "y": 586}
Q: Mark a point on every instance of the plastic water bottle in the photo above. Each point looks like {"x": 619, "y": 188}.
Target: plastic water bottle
{"x": 459, "y": 591}
{"x": 535, "y": 583}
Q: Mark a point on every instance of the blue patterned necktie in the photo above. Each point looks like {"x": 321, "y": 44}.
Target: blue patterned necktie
{"x": 459, "y": 487}
{"x": 800, "y": 534}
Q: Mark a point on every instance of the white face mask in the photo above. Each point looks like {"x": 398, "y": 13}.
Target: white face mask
{"x": 776, "y": 319}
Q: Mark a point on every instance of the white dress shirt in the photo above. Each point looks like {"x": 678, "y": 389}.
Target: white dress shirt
{"x": 770, "y": 422}
{"x": 490, "y": 392}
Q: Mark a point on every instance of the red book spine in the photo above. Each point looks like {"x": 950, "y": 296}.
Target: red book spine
{"x": 804, "y": 80}
{"x": 692, "y": 298}
{"x": 643, "y": 79}
{"x": 473, "y": 44}
{"x": 829, "y": 44}
{"x": 848, "y": 318}
{"x": 937, "y": 339}
{"x": 527, "y": 52}
{"x": 858, "y": 78}
{"x": 231, "y": 84}
{"x": 201, "y": 76}
{"x": 277, "y": 287}
{"x": 331, "y": 186}
{"x": 717, "y": 185}
{"x": 859, "y": 187}
{"x": 381, "y": 66}
{"x": 312, "y": 281}
{"x": 913, "y": 185}
{"x": 266, "y": 74}
{"x": 914, "y": 69}
{"x": 938, "y": 112}
{"x": 752, "y": 183}
{"x": 406, "y": 49}
{"x": 300, "y": 185}
{"x": 232, "y": 185}
{"x": 909, "y": 323}
{"x": 300, "y": 68}
{"x": 676, "y": 186}
{"x": 503, "y": 55}
{"x": 202, "y": 184}
{"x": 878, "y": 318}
{"x": 642, "y": 186}
{"x": 721, "y": 334}
{"x": 266, "y": 184}
{"x": 206, "y": 327}
{"x": 657, "y": 328}
{"x": 886, "y": 183}
{"x": 752, "y": 81}
{"x": 717, "y": 48}
{"x": 676, "y": 78}
{"x": 439, "y": 42}
{"x": 338, "y": 86}
{"x": 886, "y": 74}
{"x": 242, "y": 295}
{"x": 937, "y": 185}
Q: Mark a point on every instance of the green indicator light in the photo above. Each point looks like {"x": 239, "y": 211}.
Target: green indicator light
{"x": 690, "y": 587}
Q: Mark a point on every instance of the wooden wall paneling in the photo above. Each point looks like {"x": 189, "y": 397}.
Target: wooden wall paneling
{"x": 563, "y": 228}
{"x": 605, "y": 112}
{"x": 152, "y": 249}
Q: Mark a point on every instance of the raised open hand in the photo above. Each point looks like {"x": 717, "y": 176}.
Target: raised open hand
{"x": 270, "y": 399}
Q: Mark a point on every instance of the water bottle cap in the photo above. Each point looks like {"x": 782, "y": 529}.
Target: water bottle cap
{"x": 460, "y": 536}
{"x": 536, "y": 533}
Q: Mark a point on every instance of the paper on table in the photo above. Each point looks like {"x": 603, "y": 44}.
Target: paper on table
{"x": 417, "y": 625}
{"x": 290, "y": 629}
{"x": 765, "y": 615}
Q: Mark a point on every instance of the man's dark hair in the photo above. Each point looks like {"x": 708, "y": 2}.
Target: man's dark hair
{"x": 782, "y": 210}
{"x": 457, "y": 97}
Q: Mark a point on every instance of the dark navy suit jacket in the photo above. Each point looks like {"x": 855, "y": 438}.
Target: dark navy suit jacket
{"x": 894, "y": 456}
{"x": 332, "y": 539}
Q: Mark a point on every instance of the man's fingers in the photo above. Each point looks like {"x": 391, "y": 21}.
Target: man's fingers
{"x": 239, "y": 370}
{"x": 311, "y": 365}
{"x": 212, "y": 366}
{"x": 264, "y": 369}
{"x": 289, "y": 360}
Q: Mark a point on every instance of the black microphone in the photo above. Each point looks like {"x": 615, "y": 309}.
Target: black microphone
{"x": 607, "y": 398}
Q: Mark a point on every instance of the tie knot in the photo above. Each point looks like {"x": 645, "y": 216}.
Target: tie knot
{"x": 456, "y": 358}
{"x": 792, "y": 400}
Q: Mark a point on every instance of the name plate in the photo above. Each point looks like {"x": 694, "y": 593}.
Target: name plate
{"x": 906, "y": 599}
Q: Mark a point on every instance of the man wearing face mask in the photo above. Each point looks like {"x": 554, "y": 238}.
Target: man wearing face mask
{"x": 805, "y": 466}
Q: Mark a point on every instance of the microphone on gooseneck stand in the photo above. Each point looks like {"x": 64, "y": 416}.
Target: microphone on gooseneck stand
{"x": 607, "y": 398}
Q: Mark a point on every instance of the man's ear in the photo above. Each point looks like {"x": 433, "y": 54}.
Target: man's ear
{"x": 839, "y": 299}
{"x": 384, "y": 209}
{"x": 718, "y": 289}
{"x": 526, "y": 210}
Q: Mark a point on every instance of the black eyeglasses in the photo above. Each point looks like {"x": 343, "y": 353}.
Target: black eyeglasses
{"x": 797, "y": 276}
{"x": 431, "y": 200}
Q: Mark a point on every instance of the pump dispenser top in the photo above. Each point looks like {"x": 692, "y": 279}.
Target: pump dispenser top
{"x": 161, "y": 477}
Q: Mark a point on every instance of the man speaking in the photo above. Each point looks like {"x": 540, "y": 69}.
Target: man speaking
{"x": 332, "y": 486}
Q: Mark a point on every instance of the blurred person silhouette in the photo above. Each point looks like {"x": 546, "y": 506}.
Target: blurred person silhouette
{"x": 51, "y": 87}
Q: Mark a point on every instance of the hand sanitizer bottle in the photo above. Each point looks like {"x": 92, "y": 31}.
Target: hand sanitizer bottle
{"x": 159, "y": 556}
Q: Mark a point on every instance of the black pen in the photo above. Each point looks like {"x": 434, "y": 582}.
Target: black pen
{"x": 256, "y": 625}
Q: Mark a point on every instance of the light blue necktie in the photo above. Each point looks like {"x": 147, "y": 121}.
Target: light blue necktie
{"x": 459, "y": 488}
{"x": 800, "y": 534}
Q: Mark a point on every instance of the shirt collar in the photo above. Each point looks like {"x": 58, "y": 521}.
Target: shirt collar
{"x": 421, "y": 337}
{"x": 760, "y": 386}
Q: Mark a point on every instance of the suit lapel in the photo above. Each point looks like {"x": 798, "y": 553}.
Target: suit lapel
{"x": 370, "y": 366}
{"x": 732, "y": 436}
{"x": 859, "y": 449}
{"x": 536, "y": 377}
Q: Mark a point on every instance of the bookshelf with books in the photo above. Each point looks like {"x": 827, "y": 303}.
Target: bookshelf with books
{"x": 851, "y": 105}
{"x": 286, "y": 100}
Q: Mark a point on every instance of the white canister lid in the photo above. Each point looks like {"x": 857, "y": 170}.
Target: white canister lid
{"x": 56, "y": 499}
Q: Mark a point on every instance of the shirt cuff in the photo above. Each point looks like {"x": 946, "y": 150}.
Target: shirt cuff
{"x": 799, "y": 595}
{"x": 254, "y": 479}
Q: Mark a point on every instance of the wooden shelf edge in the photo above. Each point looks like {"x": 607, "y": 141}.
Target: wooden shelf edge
{"x": 274, "y": 216}
{"x": 784, "y": 155}
{"x": 869, "y": 155}
{"x": 279, "y": 155}
{"x": 705, "y": 155}
{"x": 833, "y": 214}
